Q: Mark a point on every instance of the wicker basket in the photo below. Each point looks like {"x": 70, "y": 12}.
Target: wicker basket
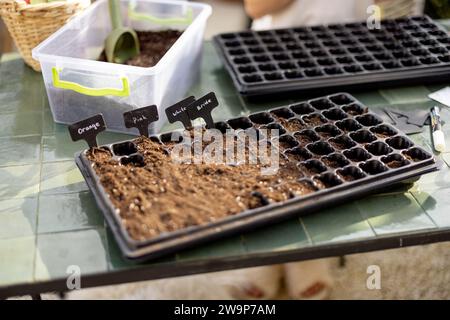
{"x": 29, "y": 25}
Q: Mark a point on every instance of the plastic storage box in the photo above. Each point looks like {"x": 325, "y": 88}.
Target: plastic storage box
{"x": 78, "y": 86}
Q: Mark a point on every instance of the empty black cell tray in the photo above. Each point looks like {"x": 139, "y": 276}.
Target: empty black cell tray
{"x": 412, "y": 50}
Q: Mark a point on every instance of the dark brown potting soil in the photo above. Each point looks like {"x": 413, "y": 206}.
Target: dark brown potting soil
{"x": 347, "y": 177}
{"x": 395, "y": 164}
{"x": 314, "y": 120}
{"x": 353, "y": 112}
{"x": 325, "y": 134}
{"x": 290, "y": 124}
{"x": 337, "y": 145}
{"x": 382, "y": 135}
{"x": 284, "y": 145}
{"x": 330, "y": 163}
{"x": 294, "y": 125}
{"x": 303, "y": 139}
{"x": 295, "y": 156}
{"x": 154, "y": 45}
{"x": 163, "y": 196}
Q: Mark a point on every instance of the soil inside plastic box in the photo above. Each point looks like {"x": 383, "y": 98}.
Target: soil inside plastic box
{"x": 153, "y": 44}
{"x": 156, "y": 195}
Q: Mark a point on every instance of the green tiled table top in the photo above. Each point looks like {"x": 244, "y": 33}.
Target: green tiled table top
{"x": 49, "y": 220}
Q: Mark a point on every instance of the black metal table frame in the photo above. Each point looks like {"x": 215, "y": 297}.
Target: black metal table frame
{"x": 178, "y": 269}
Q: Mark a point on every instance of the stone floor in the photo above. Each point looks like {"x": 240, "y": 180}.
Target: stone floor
{"x": 420, "y": 272}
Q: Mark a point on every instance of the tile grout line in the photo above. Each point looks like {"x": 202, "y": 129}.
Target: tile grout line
{"x": 244, "y": 243}
{"x": 99, "y": 227}
{"x": 21, "y": 136}
{"x": 443, "y": 158}
{"x": 107, "y": 246}
{"x": 14, "y": 112}
{"x": 45, "y": 194}
{"x": 41, "y": 155}
{"x": 366, "y": 219}
{"x": 40, "y": 161}
{"x": 41, "y": 158}
{"x": 423, "y": 209}
{"x": 302, "y": 223}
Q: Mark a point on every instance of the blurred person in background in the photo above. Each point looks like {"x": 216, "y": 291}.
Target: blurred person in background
{"x": 268, "y": 14}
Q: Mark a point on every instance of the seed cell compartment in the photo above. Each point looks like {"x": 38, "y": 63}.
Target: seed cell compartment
{"x": 340, "y": 157}
{"x": 409, "y": 50}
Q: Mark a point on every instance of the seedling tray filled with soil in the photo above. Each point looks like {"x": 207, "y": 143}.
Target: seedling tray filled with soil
{"x": 404, "y": 50}
{"x": 330, "y": 150}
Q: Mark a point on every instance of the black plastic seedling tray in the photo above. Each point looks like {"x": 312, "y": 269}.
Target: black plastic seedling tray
{"x": 349, "y": 150}
{"x": 403, "y": 51}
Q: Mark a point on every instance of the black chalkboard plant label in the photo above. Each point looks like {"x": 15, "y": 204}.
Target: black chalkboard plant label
{"x": 88, "y": 129}
{"x": 202, "y": 108}
{"x": 178, "y": 112}
{"x": 141, "y": 118}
